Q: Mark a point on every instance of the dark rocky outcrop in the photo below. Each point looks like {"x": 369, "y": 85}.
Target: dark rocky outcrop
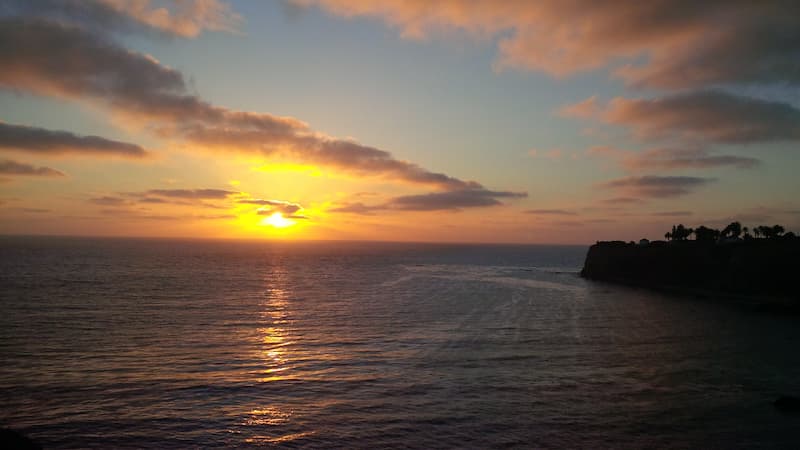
{"x": 788, "y": 404}
{"x": 759, "y": 268}
{"x": 14, "y": 440}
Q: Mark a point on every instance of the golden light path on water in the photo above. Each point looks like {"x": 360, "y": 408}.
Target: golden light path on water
{"x": 273, "y": 350}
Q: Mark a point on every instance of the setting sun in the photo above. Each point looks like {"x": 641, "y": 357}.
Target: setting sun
{"x": 277, "y": 220}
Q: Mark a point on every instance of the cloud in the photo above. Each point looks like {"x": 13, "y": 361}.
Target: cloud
{"x": 49, "y": 142}
{"x": 184, "y": 18}
{"x": 622, "y": 201}
{"x": 552, "y": 212}
{"x": 666, "y": 44}
{"x": 192, "y": 194}
{"x": 583, "y": 109}
{"x": 130, "y": 214}
{"x": 708, "y": 115}
{"x": 270, "y": 207}
{"x": 704, "y": 116}
{"x": 452, "y": 200}
{"x": 672, "y": 213}
{"x": 436, "y": 201}
{"x": 109, "y": 201}
{"x": 657, "y": 186}
{"x": 672, "y": 158}
{"x": 53, "y": 59}
{"x": 9, "y": 167}
{"x": 357, "y": 208}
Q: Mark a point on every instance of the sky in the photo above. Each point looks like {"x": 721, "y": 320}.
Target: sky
{"x": 559, "y": 121}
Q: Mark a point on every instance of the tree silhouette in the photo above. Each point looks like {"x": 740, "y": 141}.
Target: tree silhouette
{"x": 705, "y": 234}
{"x": 681, "y": 233}
{"x": 733, "y": 230}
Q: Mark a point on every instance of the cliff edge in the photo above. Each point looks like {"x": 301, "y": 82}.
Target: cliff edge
{"x": 760, "y": 269}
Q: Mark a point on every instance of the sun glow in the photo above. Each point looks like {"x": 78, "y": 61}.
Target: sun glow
{"x": 277, "y": 220}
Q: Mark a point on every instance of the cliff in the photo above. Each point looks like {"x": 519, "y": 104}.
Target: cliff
{"x": 759, "y": 269}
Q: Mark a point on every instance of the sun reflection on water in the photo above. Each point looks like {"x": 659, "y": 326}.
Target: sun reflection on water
{"x": 274, "y": 337}
{"x": 267, "y": 423}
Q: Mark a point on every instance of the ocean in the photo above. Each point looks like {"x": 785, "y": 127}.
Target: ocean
{"x": 131, "y": 343}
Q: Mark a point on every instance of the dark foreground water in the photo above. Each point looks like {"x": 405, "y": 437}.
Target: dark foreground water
{"x": 170, "y": 344}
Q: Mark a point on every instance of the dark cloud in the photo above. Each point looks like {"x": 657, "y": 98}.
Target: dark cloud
{"x": 555, "y": 212}
{"x": 703, "y": 116}
{"x": 55, "y": 59}
{"x": 49, "y": 142}
{"x": 672, "y": 158}
{"x": 657, "y": 186}
{"x": 452, "y": 200}
{"x": 269, "y": 207}
{"x": 435, "y": 201}
{"x": 9, "y": 167}
{"x": 671, "y": 213}
{"x": 622, "y": 201}
{"x": 192, "y": 194}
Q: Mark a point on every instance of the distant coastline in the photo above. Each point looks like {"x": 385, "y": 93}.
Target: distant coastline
{"x": 730, "y": 264}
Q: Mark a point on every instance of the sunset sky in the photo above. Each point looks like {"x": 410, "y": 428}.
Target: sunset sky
{"x": 457, "y": 120}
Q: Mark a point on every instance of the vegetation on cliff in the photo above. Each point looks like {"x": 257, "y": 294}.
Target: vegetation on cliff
{"x": 735, "y": 260}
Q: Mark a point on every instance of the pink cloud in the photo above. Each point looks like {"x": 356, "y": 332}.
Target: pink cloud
{"x": 681, "y": 43}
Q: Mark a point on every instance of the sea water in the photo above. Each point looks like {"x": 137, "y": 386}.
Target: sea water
{"x": 121, "y": 343}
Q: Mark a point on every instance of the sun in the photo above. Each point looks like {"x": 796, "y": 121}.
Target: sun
{"x": 277, "y": 220}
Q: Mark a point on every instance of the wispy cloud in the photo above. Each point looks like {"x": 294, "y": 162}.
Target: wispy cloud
{"x": 108, "y": 200}
{"x": 10, "y": 167}
{"x": 622, "y": 201}
{"x": 205, "y": 198}
{"x": 193, "y": 194}
{"x": 672, "y": 158}
{"x": 269, "y": 207}
{"x": 671, "y": 213}
{"x": 550, "y": 212}
{"x": 48, "y": 142}
{"x": 657, "y": 186}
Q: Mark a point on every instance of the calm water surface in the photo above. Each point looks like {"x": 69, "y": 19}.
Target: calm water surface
{"x": 114, "y": 343}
